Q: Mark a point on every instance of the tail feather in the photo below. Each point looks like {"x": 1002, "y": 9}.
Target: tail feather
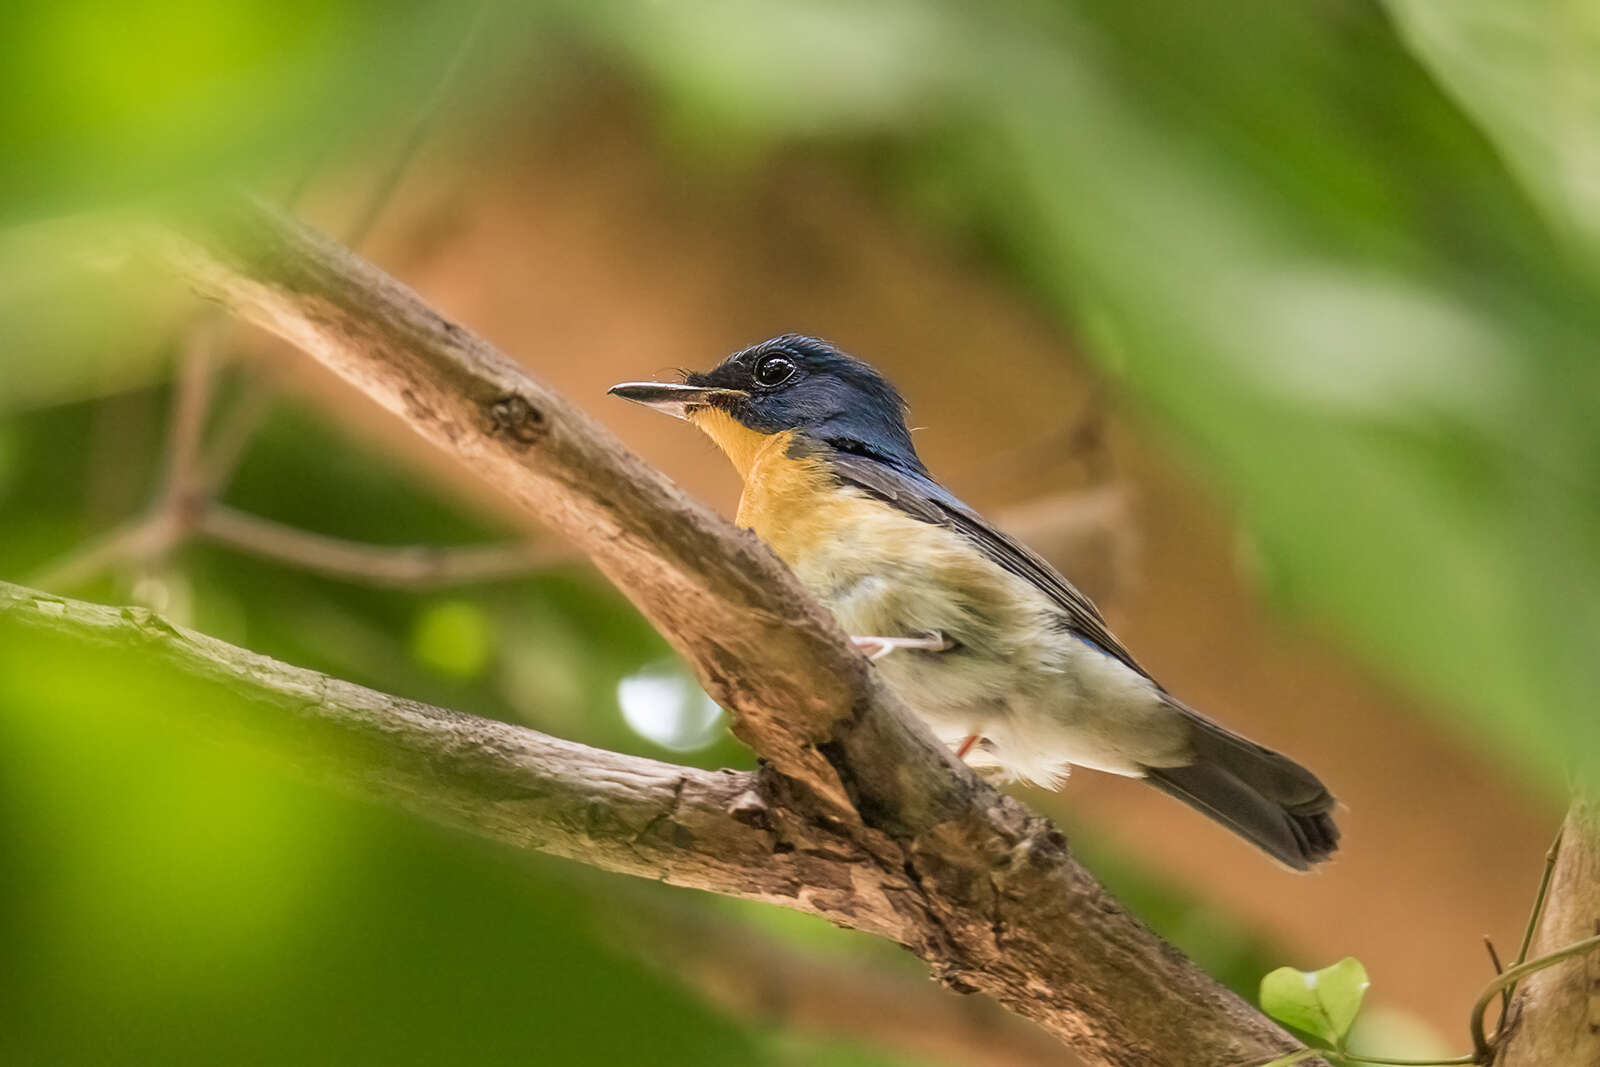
{"x": 1263, "y": 796}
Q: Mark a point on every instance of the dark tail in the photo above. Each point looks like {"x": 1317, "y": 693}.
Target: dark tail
{"x": 1261, "y": 796}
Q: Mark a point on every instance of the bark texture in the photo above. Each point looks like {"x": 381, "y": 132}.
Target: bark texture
{"x": 984, "y": 891}
{"x": 1555, "y": 1015}
{"x": 722, "y": 831}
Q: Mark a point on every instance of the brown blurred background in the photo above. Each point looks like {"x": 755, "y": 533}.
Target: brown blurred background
{"x": 1274, "y": 332}
{"x": 585, "y": 254}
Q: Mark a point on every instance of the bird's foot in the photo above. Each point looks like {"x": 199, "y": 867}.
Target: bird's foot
{"x": 879, "y": 647}
{"x": 966, "y": 745}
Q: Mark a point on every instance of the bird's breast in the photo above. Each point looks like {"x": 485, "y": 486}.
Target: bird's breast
{"x": 881, "y": 571}
{"x": 830, "y": 536}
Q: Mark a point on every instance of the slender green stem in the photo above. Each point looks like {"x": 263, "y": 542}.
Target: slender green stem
{"x": 259, "y": 397}
{"x": 1539, "y": 899}
{"x": 1339, "y": 1057}
{"x": 420, "y": 127}
{"x": 1499, "y": 969}
{"x": 1299, "y": 1056}
{"x": 1494, "y": 957}
{"x": 1484, "y": 1048}
{"x": 1504, "y": 982}
{"x": 1387, "y": 1061}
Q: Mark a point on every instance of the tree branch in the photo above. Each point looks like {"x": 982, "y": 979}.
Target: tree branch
{"x": 1555, "y": 1014}
{"x": 397, "y": 565}
{"x": 722, "y": 831}
{"x": 980, "y": 888}
{"x": 141, "y": 539}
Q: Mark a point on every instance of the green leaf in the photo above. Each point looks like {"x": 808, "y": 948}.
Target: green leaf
{"x": 1322, "y": 1002}
{"x": 1529, "y": 75}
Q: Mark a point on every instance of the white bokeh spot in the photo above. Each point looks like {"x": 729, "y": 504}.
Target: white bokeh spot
{"x": 664, "y": 705}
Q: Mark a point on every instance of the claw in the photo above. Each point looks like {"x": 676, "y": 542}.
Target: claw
{"x": 882, "y": 646}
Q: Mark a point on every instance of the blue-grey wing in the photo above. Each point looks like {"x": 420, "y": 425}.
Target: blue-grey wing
{"x": 922, "y": 498}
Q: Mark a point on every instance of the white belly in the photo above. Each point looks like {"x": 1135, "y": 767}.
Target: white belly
{"x": 1039, "y": 697}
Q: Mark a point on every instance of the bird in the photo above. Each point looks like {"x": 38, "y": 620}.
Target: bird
{"x": 1003, "y": 658}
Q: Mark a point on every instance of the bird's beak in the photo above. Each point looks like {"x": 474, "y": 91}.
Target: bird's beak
{"x": 669, "y": 398}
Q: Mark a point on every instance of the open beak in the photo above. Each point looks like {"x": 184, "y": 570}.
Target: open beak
{"x": 669, "y": 398}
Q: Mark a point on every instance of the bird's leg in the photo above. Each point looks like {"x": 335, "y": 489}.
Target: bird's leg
{"x": 966, "y": 745}
{"x": 882, "y": 646}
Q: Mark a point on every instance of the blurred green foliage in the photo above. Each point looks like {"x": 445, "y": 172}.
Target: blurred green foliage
{"x": 1526, "y": 73}
{"x": 1346, "y": 263}
{"x": 1275, "y": 228}
{"x": 148, "y": 849}
{"x": 116, "y": 100}
{"x": 68, "y": 332}
{"x": 171, "y": 897}
{"x": 1302, "y": 256}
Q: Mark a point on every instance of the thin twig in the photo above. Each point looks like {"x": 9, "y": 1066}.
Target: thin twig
{"x": 1483, "y": 1047}
{"x": 1385, "y": 1061}
{"x": 742, "y": 971}
{"x": 1073, "y": 514}
{"x": 1083, "y": 437}
{"x": 408, "y": 566}
{"x": 1539, "y": 898}
{"x": 1501, "y": 986}
{"x": 143, "y": 539}
{"x": 251, "y": 412}
{"x": 257, "y": 396}
{"x": 308, "y": 173}
{"x": 420, "y": 127}
{"x": 191, "y": 404}
{"x": 1339, "y": 1057}
{"x": 176, "y": 504}
{"x": 1499, "y": 968}
{"x": 1299, "y": 1056}
{"x": 1494, "y": 957}
{"x": 194, "y": 476}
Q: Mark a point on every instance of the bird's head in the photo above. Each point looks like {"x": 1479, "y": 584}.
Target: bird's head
{"x": 803, "y": 389}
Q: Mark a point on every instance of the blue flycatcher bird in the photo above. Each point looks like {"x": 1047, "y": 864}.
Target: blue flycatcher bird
{"x": 1002, "y": 657}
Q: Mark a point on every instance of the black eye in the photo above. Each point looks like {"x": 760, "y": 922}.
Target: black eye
{"x": 774, "y": 370}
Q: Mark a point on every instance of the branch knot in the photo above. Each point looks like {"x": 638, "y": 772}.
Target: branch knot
{"x": 512, "y": 416}
{"x": 751, "y": 809}
{"x": 149, "y": 623}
